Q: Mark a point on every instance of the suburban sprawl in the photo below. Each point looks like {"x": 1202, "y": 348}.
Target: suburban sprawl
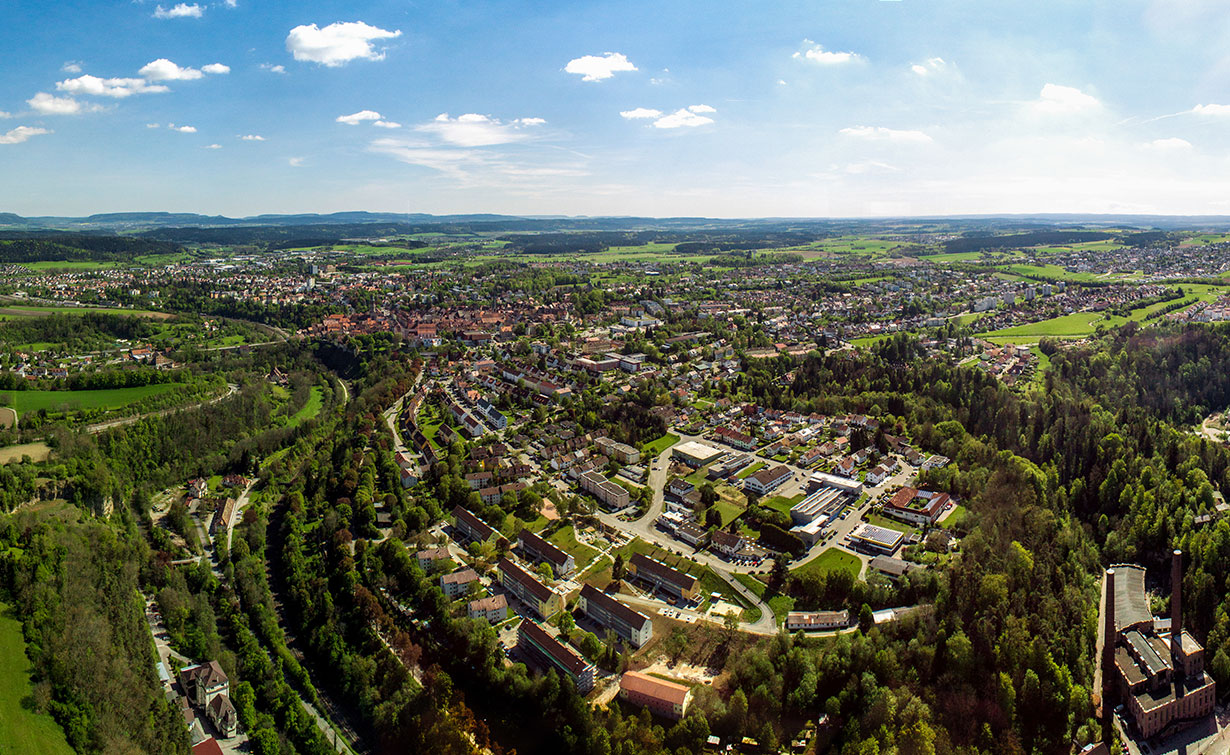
{"x": 358, "y": 486}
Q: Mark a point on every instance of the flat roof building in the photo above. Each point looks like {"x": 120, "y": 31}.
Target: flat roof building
{"x": 696, "y": 454}
{"x": 812, "y": 621}
{"x": 881, "y": 540}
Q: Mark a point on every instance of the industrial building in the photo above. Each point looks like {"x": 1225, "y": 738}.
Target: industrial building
{"x": 815, "y": 621}
{"x": 1153, "y": 670}
{"x": 813, "y": 514}
{"x": 696, "y": 454}
{"x": 879, "y": 540}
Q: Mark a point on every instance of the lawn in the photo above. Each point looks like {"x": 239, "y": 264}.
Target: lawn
{"x": 310, "y": 409}
{"x": 566, "y": 539}
{"x": 22, "y": 730}
{"x": 830, "y": 560}
{"x": 782, "y": 503}
{"x": 111, "y": 398}
{"x": 653, "y": 448}
{"x": 753, "y": 469}
{"x": 958, "y": 515}
{"x": 698, "y": 477}
{"x": 728, "y": 510}
{"x": 66, "y": 265}
{"x": 24, "y": 310}
{"x": 891, "y": 524}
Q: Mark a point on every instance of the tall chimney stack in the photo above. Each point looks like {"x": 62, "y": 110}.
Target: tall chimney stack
{"x": 1109, "y": 639}
{"x": 1176, "y": 608}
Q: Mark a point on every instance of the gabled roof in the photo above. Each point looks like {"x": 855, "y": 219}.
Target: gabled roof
{"x": 613, "y": 606}
{"x": 658, "y": 689}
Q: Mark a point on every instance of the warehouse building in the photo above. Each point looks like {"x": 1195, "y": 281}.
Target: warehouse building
{"x": 696, "y": 454}
{"x": 877, "y": 540}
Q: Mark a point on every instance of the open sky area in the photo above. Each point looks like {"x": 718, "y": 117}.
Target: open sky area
{"x": 717, "y": 108}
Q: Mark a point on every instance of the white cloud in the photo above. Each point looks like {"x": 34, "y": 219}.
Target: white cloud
{"x": 702, "y": 109}
{"x": 182, "y": 129}
{"x": 814, "y": 53}
{"x": 252, "y": 138}
{"x": 164, "y": 70}
{"x": 880, "y": 133}
{"x": 1056, "y": 99}
{"x": 48, "y": 104}
{"x": 530, "y": 121}
{"x": 231, "y": 3}
{"x": 684, "y": 118}
{"x": 1171, "y": 144}
{"x": 599, "y": 67}
{"x": 212, "y": 146}
{"x": 109, "y": 87}
{"x": 386, "y": 124}
{"x": 474, "y": 130}
{"x": 182, "y": 10}
{"x": 4, "y": 115}
{"x": 337, "y": 43}
{"x": 296, "y": 162}
{"x": 216, "y": 68}
{"x": 71, "y": 66}
{"x": 153, "y": 125}
{"x": 355, "y": 119}
{"x": 1219, "y": 111}
{"x": 869, "y": 167}
{"x": 21, "y": 133}
{"x": 929, "y": 66}
{"x": 271, "y": 68}
{"x": 640, "y": 113}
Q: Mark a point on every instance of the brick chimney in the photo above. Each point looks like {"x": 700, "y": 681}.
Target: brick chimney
{"x": 1176, "y": 610}
{"x": 1110, "y": 638}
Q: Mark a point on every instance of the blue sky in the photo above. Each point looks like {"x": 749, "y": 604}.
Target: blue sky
{"x": 735, "y": 109}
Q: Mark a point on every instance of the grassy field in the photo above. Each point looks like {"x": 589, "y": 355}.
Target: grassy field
{"x": 114, "y": 398}
{"x": 22, "y": 310}
{"x": 749, "y": 471}
{"x": 36, "y": 451}
{"x": 8, "y": 417}
{"x": 782, "y": 503}
{"x": 655, "y": 447}
{"x": 1075, "y": 325}
{"x": 74, "y": 265}
{"x": 890, "y": 524}
{"x": 728, "y": 510}
{"x": 22, "y": 730}
{"x": 831, "y": 559}
{"x": 309, "y": 410}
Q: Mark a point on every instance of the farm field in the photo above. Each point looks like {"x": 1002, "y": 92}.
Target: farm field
{"x": 70, "y": 265}
{"x": 114, "y": 398}
{"x": 22, "y": 730}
